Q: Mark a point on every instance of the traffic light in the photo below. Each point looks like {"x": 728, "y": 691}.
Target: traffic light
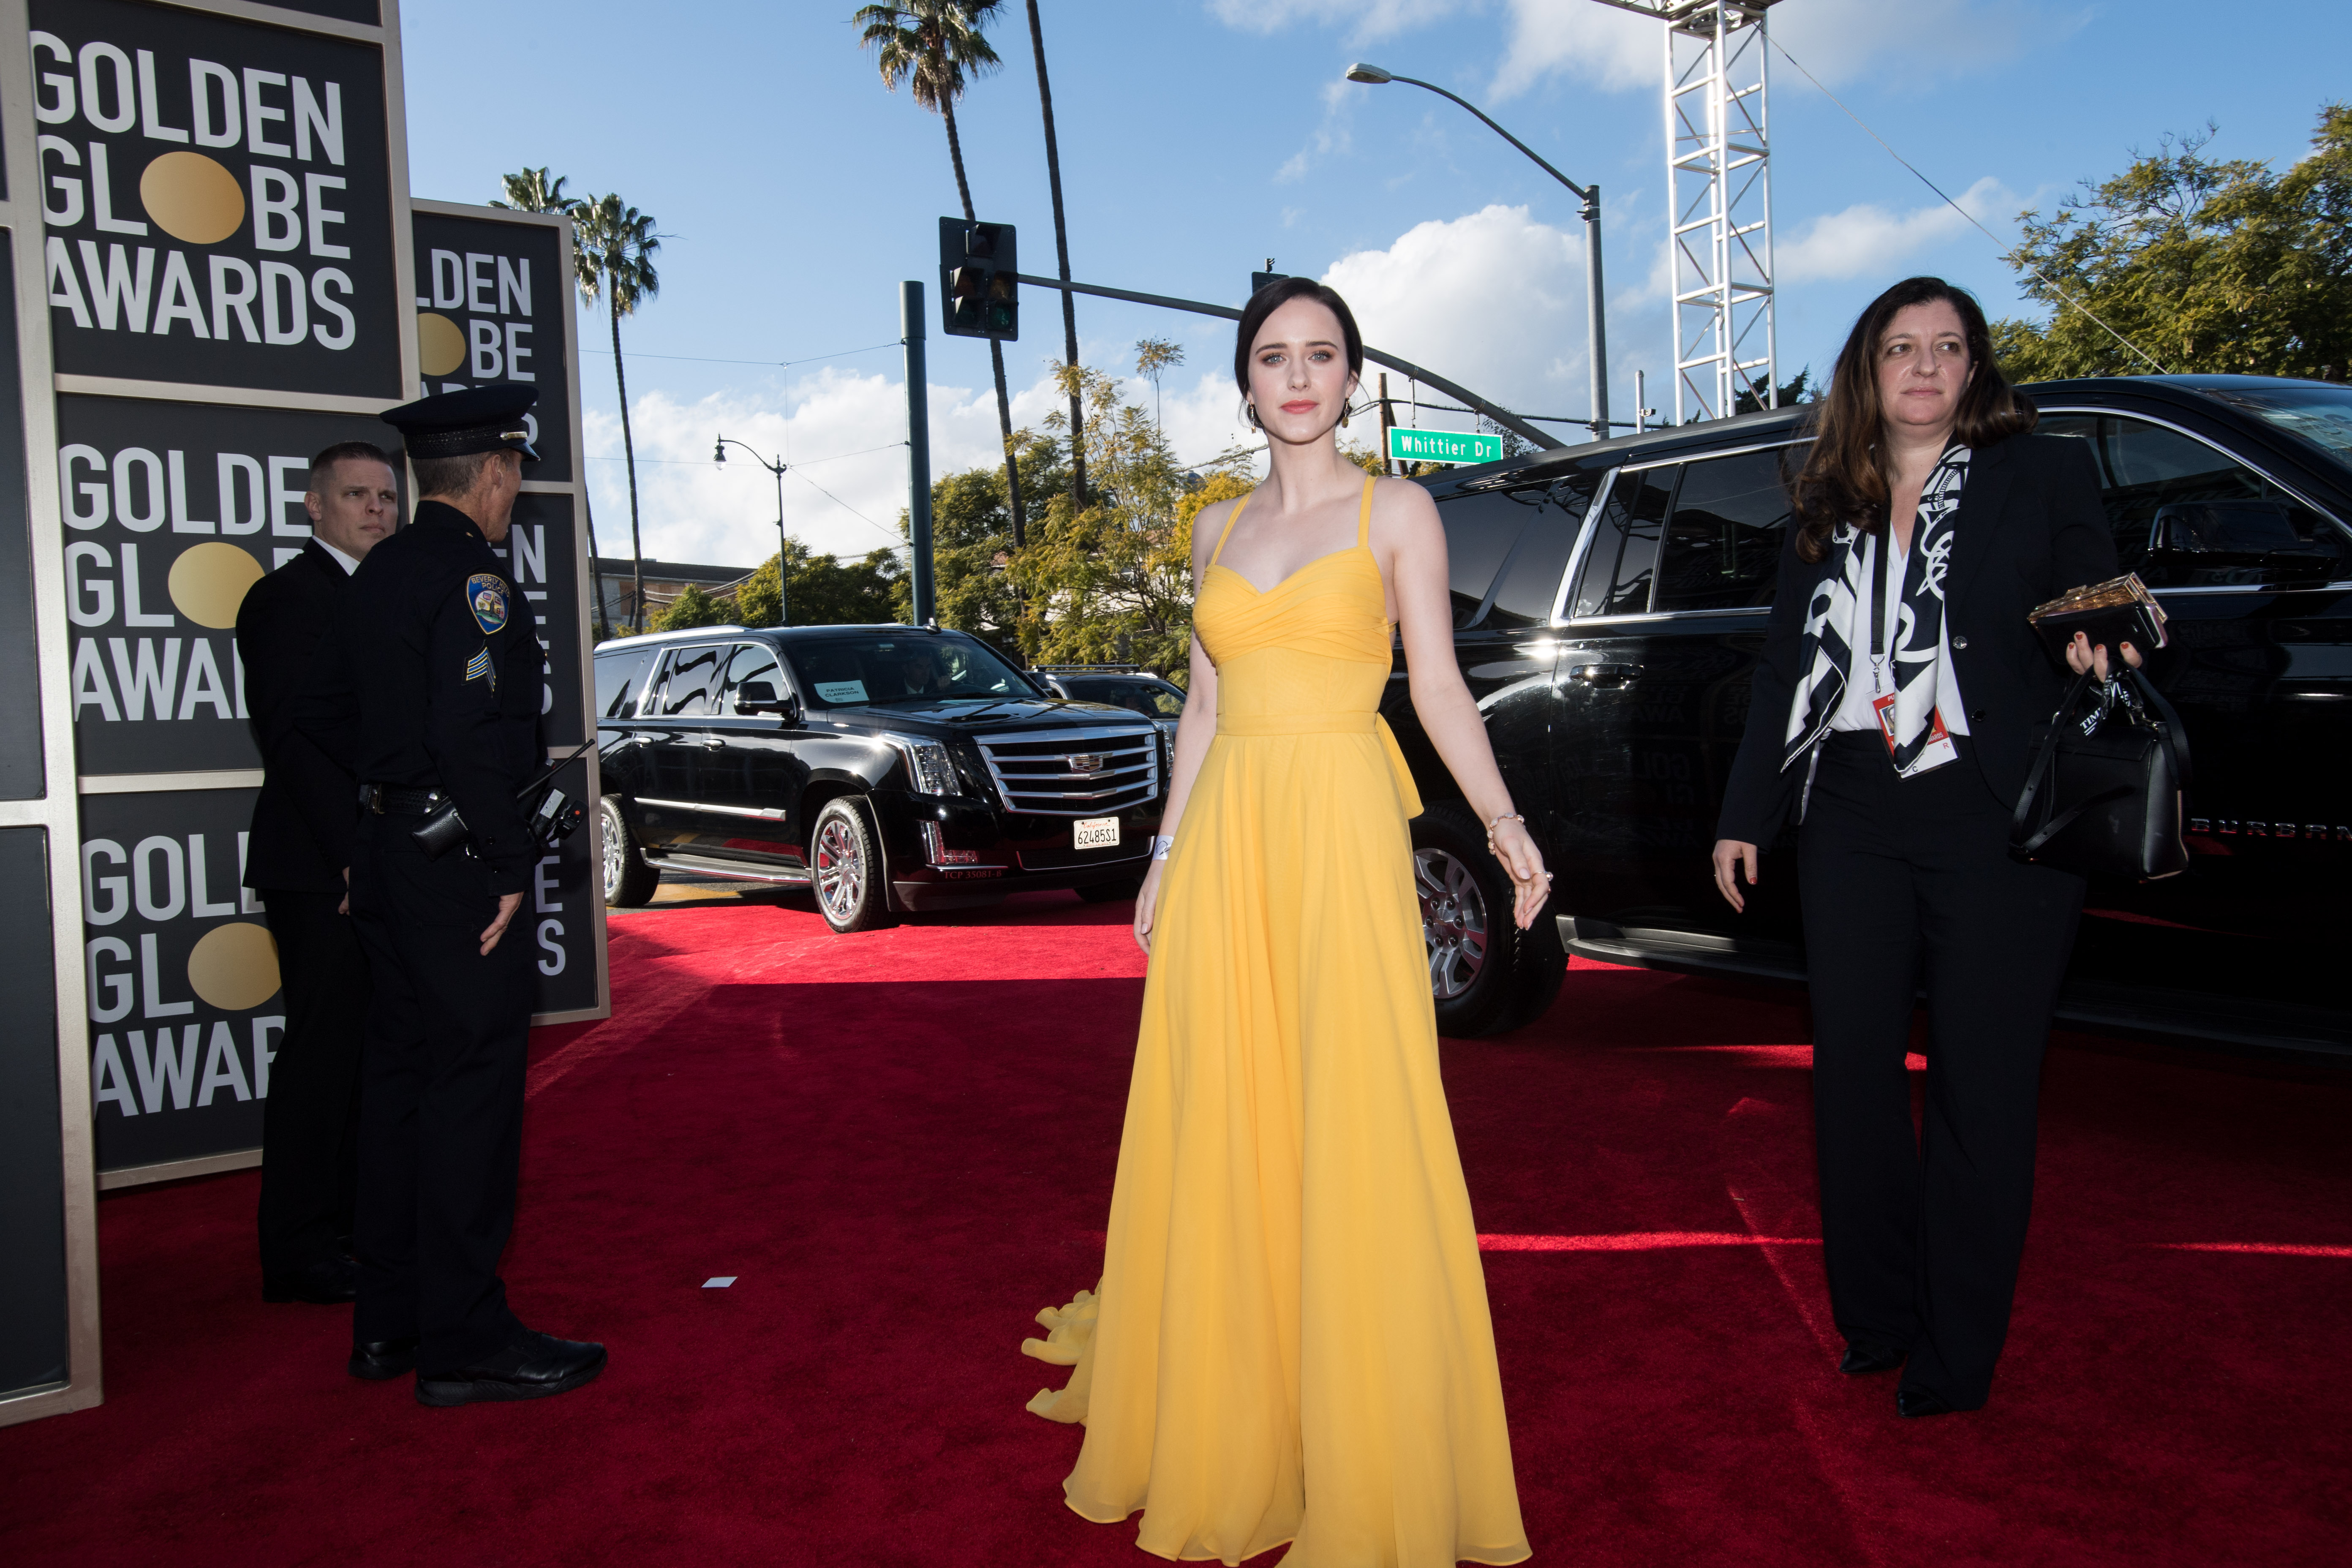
{"x": 978, "y": 296}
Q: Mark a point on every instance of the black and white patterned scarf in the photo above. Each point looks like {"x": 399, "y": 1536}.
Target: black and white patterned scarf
{"x": 1837, "y": 622}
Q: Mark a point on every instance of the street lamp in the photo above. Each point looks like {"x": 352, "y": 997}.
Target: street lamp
{"x": 1589, "y": 194}
{"x": 784, "y": 561}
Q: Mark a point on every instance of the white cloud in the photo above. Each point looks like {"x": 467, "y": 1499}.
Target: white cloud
{"x": 1493, "y": 301}
{"x": 1868, "y": 241}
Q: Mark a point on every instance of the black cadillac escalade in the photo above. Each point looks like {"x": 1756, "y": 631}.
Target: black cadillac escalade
{"x": 888, "y": 768}
{"x": 1610, "y": 603}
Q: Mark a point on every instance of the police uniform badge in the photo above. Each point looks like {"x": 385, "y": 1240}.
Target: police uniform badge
{"x": 486, "y": 596}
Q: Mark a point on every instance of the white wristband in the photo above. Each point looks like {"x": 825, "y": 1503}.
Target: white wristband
{"x": 1161, "y": 845}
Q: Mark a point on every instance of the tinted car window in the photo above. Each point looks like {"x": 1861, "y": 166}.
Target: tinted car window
{"x": 753, "y": 676}
{"x": 1722, "y": 546}
{"x": 2220, "y": 519}
{"x": 1529, "y": 585}
{"x": 689, "y": 683}
{"x": 901, "y": 667}
{"x": 1625, "y": 555}
{"x": 1480, "y": 531}
{"x": 618, "y": 677}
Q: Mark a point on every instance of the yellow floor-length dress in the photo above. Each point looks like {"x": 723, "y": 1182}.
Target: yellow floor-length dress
{"x": 1290, "y": 1340}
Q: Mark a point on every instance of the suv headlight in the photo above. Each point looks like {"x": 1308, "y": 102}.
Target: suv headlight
{"x": 929, "y": 765}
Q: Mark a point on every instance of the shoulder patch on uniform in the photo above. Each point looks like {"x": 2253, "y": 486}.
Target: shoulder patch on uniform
{"x": 486, "y": 596}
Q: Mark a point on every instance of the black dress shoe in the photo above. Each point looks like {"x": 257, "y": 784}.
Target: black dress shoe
{"x": 534, "y": 1367}
{"x": 1862, "y": 1358}
{"x": 1921, "y": 1402}
{"x": 380, "y": 1360}
{"x": 327, "y": 1281}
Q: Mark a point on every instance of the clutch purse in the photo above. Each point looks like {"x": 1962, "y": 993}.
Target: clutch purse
{"x": 2120, "y": 610}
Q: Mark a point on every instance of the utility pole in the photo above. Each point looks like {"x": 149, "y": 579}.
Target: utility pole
{"x": 919, "y": 451}
{"x": 1388, "y": 423}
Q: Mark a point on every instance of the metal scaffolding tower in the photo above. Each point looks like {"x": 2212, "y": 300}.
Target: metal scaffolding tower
{"x": 1719, "y": 192}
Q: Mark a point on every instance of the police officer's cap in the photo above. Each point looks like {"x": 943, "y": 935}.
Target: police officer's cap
{"x": 457, "y": 423}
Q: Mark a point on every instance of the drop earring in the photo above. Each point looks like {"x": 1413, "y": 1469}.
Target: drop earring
{"x": 1251, "y": 410}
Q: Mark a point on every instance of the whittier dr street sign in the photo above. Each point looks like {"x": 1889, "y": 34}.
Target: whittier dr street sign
{"x": 1443, "y": 447}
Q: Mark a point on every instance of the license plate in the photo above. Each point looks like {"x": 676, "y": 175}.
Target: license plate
{"x": 1096, "y": 833}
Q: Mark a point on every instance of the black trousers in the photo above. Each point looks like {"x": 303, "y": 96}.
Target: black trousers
{"x": 1905, "y": 880}
{"x": 441, "y": 1099}
{"x": 309, "y": 1122}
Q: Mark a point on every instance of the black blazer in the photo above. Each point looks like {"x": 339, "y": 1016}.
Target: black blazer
{"x": 2030, "y": 526}
{"x": 304, "y": 822}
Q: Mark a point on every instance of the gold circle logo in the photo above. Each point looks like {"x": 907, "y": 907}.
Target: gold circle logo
{"x": 192, "y": 198}
{"x": 209, "y": 582}
{"x": 234, "y": 966}
{"x": 440, "y": 345}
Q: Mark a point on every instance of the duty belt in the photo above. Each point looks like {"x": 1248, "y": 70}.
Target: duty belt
{"x": 392, "y": 800}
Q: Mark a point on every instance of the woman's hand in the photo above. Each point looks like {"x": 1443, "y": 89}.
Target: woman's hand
{"x": 1733, "y": 856}
{"x": 2081, "y": 657}
{"x": 1530, "y": 883}
{"x": 1147, "y": 905}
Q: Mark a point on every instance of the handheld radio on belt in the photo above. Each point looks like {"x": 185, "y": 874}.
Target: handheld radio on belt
{"x": 552, "y": 819}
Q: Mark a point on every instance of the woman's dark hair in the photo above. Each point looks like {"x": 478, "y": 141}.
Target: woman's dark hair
{"x": 1844, "y": 478}
{"x": 1281, "y": 292}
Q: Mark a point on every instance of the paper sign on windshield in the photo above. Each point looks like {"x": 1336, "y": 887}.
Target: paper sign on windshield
{"x": 841, "y": 690}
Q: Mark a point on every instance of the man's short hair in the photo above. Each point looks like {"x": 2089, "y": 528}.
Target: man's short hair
{"x": 448, "y": 476}
{"x": 343, "y": 451}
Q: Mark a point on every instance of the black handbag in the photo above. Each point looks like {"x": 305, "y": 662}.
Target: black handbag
{"x": 2103, "y": 797}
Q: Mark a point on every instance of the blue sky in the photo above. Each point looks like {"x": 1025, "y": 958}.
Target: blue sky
{"x": 1200, "y": 137}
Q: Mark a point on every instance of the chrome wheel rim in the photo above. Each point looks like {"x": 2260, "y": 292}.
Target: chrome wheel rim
{"x": 840, "y": 870}
{"x": 615, "y": 855}
{"x": 1453, "y": 921}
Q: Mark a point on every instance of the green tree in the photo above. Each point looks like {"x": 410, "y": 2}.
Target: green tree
{"x": 2208, "y": 265}
{"x": 615, "y": 258}
{"x": 824, "y": 590}
{"x": 693, "y": 608}
{"x": 935, "y": 46}
{"x": 972, "y": 544}
{"x": 1155, "y": 357}
{"x": 1799, "y": 388}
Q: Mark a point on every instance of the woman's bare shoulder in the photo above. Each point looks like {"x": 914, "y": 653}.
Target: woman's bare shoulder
{"x": 1403, "y": 513}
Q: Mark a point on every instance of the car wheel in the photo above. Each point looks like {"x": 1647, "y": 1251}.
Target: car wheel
{"x": 1485, "y": 976}
{"x": 629, "y": 878}
{"x": 847, "y": 869}
{"x": 1112, "y": 892}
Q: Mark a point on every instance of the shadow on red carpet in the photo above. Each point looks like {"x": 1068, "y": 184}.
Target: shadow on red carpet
{"x": 900, "y": 1145}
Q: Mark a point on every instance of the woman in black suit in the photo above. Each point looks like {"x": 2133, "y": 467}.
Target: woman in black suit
{"x": 1900, "y": 693}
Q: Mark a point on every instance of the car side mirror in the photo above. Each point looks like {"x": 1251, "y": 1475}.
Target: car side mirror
{"x": 760, "y": 696}
{"x": 2230, "y": 540}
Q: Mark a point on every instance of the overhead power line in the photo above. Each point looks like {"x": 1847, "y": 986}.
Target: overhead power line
{"x": 708, "y": 359}
{"x": 2051, "y": 284}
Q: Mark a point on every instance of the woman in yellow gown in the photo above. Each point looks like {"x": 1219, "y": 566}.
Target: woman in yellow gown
{"x": 1290, "y": 1339}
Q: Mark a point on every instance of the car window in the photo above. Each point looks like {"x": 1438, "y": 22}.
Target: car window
{"x": 1722, "y": 546}
{"x": 689, "y": 683}
{"x": 1158, "y": 700}
{"x": 1529, "y": 585}
{"x": 619, "y": 677}
{"x": 1480, "y": 530}
{"x": 1624, "y": 554}
{"x": 861, "y": 667}
{"x": 753, "y": 676}
{"x": 2186, "y": 514}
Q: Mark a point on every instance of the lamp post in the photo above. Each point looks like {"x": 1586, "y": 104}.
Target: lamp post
{"x": 718, "y": 455}
{"x": 1589, "y": 194}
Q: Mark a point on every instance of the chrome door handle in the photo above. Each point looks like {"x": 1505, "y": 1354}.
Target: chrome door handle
{"x": 1602, "y": 674}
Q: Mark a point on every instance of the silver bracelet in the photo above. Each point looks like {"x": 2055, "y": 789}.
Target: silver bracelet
{"x": 1161, "y": 845}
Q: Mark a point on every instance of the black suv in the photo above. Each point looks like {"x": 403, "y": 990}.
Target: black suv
{"x": 891, "y": 769}
{"x": 1610, "y": 604}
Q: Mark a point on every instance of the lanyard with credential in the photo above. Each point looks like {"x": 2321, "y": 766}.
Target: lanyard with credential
{"x": 1884, "y": 568}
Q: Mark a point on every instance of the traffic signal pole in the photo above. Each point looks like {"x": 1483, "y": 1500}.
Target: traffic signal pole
{"x": 1503, "y": 417}
{"x": 919, "y": 449}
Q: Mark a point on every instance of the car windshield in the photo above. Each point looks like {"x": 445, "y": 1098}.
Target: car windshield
{"x": 871, "y": 668}
{"x": 2321, "y": 414}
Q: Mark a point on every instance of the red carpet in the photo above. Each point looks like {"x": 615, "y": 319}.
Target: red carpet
{"x": 901, "y": 1145}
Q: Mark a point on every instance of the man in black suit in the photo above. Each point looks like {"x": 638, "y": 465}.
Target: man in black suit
{"x": 298, "y": 858}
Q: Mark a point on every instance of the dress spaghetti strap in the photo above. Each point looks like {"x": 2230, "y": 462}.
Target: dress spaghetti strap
{"x": 1231, "y": 518}
{"x": 1363, "y": 516}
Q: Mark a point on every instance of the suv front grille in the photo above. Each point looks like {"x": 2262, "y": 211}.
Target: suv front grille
{"x": 1073, "y": 773}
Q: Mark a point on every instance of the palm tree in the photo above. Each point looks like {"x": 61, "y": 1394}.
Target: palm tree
{"x": 1154, "y": 357}
{"x": 1061, "y": 251}
{"x": 530, "y": 191}
{"x": 615, "y": 257}
{"x": 933, "y": 46}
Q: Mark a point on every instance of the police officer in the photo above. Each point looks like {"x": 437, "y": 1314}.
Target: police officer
{"x": 433, "y": 694}
{"x": 296, "y": 858}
